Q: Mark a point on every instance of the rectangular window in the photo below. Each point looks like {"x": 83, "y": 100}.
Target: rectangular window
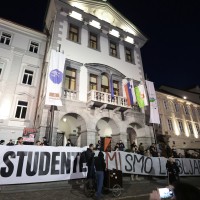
{"x": 70, "y": 81}
{"x": 93, "y": 41}
{"x": 128, "y": 54}
{"x": 34, "y": 47}
{"x": 21, "y": 109}
{"x": 190, "y": 128}
{"x": 73, "y": 33}
{"x": 170, "y": 125}
{"x": 176, "y": 107}
{"x": 113, "y": 49}
{"x": 1, "y": 68}
{"x": 116, "y": 88}
{"x": 28, "y": 77}
{"x": 197, "y": 128}
{"x": 180, "y": 124}
{"x": 93, "y": 82}
{"x": 193, "y": 112}
{"x": 186, "y": 110}
{"x": 165, "y": 105}
{"x": 5, "y": 38}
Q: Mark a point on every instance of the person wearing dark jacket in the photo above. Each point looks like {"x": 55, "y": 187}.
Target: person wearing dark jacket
{"x": 173, "y": 171}
{"x": 89, "y": 154}
{"x": 100, "y": 167}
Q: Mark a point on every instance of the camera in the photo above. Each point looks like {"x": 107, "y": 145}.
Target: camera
{"x": 165, "y": 193}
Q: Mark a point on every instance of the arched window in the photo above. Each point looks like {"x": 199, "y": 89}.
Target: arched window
{"x": 104, "y": 83}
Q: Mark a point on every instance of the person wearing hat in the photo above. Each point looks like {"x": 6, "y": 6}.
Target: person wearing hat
{"x": 100, "y": 166}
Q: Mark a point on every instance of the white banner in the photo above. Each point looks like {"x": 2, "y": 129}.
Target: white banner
{"x": 132, "y": 163}
{"x": 29, "y": 164}
{"x": 55, "y": 77}
{"x": 154, "y": 115}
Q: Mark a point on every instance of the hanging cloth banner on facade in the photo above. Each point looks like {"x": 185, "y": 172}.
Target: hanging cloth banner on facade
{"x": 154, "y": 114}
{"x": 111, "y": 87}
{"x": 29, "y": 164}
{"x": 133, "y": 91}
{"x": 141, "y": 96}
{"x": 55, "y": 77}
{"x": 129, "y": 95}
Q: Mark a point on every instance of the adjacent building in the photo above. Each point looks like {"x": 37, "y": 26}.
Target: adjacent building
{"x": 21, "y": 59}
{"x": 102, "y": 48}
{"x": 180, "y": 116}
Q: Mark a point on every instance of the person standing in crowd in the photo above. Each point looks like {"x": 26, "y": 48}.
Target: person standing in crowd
{"x": 153, "y": 150}
{"x": 116, "y": 148}
{"x": 173, "y": 171}
{"x": 141, "y": 149}
{"x": 2, "y": 142}
{"x": 100, "y": 166}
{"x": 20, "y": 141}
{"x": 121, "y": 146}
{"x": 174, "y": 151}
{"x": 89, "y": 154}
{"x": 10, "y": 143}
{"x": 45, "y": 143}
{"x": 98, "y": 146}
{"x": 38, "y": 143}
{"x": 69, "y": 143}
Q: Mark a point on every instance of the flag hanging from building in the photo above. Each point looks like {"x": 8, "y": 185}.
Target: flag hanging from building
{"x": 133, "y": 91}
{"x": 55, "y": 77}
{"x": 141, "y": 96}
{"x": 128, "y": 92}
{"x": 111, "y": 87}
{"x": 154, "y": 115}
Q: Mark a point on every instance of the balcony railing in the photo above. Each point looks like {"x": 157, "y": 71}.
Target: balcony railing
{"x": 70, "y": 94}
{"x": 106, "y": 98}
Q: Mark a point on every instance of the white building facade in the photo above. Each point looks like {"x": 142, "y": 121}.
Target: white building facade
{"x": 21, "y": 59}
{"x": 180, "y": 118}
{"x": 98, "y": 43}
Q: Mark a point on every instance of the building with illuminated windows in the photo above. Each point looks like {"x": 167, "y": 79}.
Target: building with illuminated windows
{"x": 21, "y": 58}
{"x": 98, "y": 43}
{"x": 180, "y": 116}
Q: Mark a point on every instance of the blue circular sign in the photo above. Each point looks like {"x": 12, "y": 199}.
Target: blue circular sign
{"x": 56, "y": 76}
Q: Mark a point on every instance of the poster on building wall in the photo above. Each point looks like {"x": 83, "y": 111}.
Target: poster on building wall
{"x": 29, "y": 164}
{"x": 55, "y": 78}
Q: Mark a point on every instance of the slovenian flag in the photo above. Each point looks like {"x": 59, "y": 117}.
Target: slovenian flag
{"x": 111, "y": 87}
{"x": 129, "y": 95}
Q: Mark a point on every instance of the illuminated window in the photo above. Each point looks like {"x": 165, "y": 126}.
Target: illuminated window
{"x": 165, "y": 103}
{"x": 197, "y": 128}
{"x": 93, "y": 82}
{"x": 28, "y": 77}
{"x": 93, "y": 41}
{"x": 34, "y": 46}
{"x": 5, "y": 38}
{"x": 186, "y": 110}
{"x": 180, "y": 124}
{"x": 190, "y": 128}
{"x": 73, "y": 33}
{"x": 21, "y": 109}
{"x": 113, "y": 49}
{"x": 170, "y": 125}
{"x": 194, "y": 112}
{"x": 128, "y": 54}
{"x": 116, "y": 88}
{"x": 176, "y": 107}
{"x": 70, "y": 81}
{"x": 104, "y": 84}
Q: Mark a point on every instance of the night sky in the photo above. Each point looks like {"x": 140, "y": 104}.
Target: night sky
{"x": 171, "y": 54}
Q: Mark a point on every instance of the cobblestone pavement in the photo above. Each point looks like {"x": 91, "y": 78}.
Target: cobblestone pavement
{"x": 73, "y": 190}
